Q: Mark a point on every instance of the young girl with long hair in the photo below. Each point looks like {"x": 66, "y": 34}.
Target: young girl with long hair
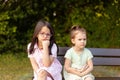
{"x": 42, "y": 52}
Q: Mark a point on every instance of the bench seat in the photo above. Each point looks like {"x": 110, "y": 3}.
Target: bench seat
{"x": 102, "y": 57}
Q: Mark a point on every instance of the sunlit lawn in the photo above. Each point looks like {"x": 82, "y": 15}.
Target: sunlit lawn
{"x": 15, "y": 67}
{"x": 106, "y": 71}
{"x": 18, "y": 67}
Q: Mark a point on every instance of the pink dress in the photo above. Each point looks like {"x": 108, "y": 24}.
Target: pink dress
{"x": 55, "y": 68}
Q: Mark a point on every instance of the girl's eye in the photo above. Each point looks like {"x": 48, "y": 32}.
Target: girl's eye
{"x": 79, "y": 39}
{"x": 48, "y": 34}
{"x": 82, "y": 39}
{"x": 45, "y": 34}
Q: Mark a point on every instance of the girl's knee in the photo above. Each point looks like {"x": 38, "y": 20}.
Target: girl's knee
{"x": 42, "y": 73}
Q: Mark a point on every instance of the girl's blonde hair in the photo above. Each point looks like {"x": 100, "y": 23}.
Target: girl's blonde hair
{"x": 74, "y": 30}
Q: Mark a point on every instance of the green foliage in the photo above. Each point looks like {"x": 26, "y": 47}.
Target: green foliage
{"x": 100, "y": 17}
{"x": 102, "y": 25}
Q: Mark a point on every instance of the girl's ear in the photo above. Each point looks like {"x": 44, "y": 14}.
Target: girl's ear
{"x": 73, "y": 41}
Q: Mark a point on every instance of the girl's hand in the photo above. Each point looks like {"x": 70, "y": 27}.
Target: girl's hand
{"x": 45, "y": 43}
{"x": 78, "y": 72}
{"x": 84, "y": 68}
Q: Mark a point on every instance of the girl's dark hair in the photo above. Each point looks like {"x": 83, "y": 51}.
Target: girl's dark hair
{"x": 38, "y": 28}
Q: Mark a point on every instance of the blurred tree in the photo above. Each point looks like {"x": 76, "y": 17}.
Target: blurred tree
{"x": 18, "y": 17}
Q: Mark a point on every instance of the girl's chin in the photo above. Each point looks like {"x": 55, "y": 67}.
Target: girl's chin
{"x": 82, "y": 47}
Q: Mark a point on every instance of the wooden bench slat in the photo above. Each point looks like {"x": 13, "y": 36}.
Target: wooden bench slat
{"x": 105, "y": 52}
{"x": 95, "y": 51}
{"x": 62, "y": 50}
{"x": 61, "y": 59}
{"x": 99, "y": 61}
{"x": 103, "y": 61}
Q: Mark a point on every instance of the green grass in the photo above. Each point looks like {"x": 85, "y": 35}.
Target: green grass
{"x": 106, "y": 71}
{"x": 15, "y": 67}
{"x": 18, "y": 67}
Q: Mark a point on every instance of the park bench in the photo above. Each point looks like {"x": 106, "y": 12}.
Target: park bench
{"x": 102, "y": 57}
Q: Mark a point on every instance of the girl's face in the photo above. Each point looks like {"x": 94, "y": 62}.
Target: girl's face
{"x": 79, "y": 40}
{"x": 44, "y": 34}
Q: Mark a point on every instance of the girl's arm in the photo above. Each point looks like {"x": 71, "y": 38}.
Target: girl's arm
{"x": 34, "y": 65}
{"x": 69, "y": 69}
{"x": 46, "y": 58}
{"x": 88, "y": 69}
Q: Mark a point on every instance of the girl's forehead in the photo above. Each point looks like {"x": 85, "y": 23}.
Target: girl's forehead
{"x": 75, "y": 33}
{"x": 45, "y": 28}
{"x": 80, "y": 34}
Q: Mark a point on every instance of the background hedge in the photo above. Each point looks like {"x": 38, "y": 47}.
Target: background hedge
{"x": 101, "y": 18}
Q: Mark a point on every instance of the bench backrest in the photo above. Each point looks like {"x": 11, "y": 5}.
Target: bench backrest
{"x": 102, "y": 56}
